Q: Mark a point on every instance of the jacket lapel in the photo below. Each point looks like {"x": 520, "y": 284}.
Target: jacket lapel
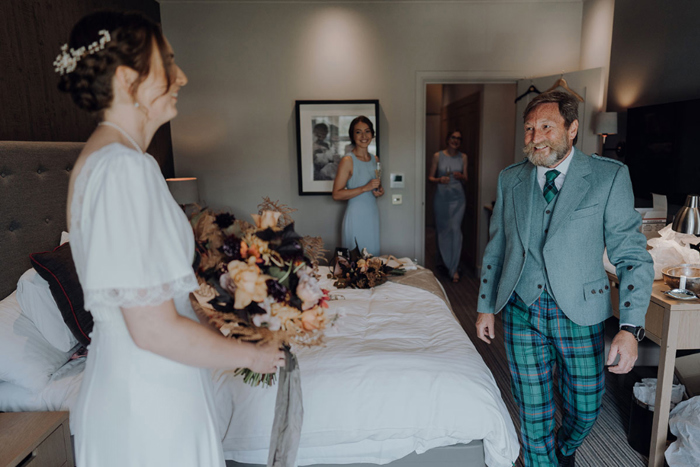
{"x": 572, "y": 192}
{"x": 522, "y": 200}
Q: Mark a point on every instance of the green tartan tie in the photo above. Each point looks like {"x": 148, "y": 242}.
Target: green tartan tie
{"x": 550, "y": 189}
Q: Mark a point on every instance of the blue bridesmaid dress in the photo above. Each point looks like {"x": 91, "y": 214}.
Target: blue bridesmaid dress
{"x": 361, "y": 221}
{"x": 449, "y": 211}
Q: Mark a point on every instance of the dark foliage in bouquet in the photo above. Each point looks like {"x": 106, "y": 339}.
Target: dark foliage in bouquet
{"x": 359, "y": 270}
{"x": 258, "y": 281}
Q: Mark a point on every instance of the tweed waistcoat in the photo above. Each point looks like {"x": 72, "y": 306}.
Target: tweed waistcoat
{"x": 534, "y": 278}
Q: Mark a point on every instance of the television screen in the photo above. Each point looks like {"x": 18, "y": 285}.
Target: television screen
{"x": 663, "y": 150}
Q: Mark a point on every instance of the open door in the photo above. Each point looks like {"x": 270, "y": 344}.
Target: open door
{"x": 586, "y": 83}
{"x": 465, "y": 115}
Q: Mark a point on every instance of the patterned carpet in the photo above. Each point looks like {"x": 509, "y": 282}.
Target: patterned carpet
{"x": 606, "y": 445}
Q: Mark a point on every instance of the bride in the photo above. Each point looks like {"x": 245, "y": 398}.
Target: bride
{"x": 146, "y": 397}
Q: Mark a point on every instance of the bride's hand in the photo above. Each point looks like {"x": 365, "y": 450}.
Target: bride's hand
{"x": 267, "y": 359}
{"x": 378, "y": 192}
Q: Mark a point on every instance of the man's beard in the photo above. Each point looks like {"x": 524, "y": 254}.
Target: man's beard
{"x": 557, "y": 151}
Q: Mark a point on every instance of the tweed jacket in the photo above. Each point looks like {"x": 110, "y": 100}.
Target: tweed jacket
{"x": 594, "y": 210}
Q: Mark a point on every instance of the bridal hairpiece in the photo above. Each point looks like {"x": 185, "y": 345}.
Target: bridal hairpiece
{"x": 67, "y": 60}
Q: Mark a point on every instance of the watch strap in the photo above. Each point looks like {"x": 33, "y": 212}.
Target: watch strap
{"x": 637, "y": 331}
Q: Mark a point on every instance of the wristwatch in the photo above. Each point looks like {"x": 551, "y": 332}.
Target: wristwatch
{"x": 637, "y": 331}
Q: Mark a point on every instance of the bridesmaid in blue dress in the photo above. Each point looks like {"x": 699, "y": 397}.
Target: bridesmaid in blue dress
{"x": 449, "y": 170}
{"x": 357, "y": 182}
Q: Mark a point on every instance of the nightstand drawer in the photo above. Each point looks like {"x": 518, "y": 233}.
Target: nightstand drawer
{"x": 51, "y": 452}
{"x": 35, "y": 439}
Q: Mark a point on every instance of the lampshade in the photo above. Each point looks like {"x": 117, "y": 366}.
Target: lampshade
{"x": 606, "y": 123}
{"x": 184, "y": 190}
{"x": 687, "y": 218}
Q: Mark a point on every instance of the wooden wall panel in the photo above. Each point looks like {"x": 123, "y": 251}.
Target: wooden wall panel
{"x": 33, "y": 109}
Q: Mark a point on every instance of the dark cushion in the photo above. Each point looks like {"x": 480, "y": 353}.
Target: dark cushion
{"x": 57, "y": 268}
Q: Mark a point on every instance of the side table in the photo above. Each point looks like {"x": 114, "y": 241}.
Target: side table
{"x": 673, "y": 325}
{"x": 36, "y": 439}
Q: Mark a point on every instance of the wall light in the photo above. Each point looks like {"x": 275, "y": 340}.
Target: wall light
{"x": 184, "y": 190}
{"x": 606, "y": 124}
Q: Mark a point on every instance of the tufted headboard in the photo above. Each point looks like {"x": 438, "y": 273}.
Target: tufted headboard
{"x": 33, "y": 191}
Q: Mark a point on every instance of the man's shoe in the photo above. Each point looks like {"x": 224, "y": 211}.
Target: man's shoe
{"x": 566, "y": 461}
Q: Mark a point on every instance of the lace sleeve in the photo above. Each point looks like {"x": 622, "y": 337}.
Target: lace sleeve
{"x": 132, "y": 297}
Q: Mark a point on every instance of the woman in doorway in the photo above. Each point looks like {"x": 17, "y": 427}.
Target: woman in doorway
{"x": 146, "y": 397}
{"x": 449, "y": 171}
{"x": 357, "y": 181}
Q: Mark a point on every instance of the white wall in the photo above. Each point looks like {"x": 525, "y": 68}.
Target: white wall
{"x": 248, "y": 62}
{"x": 497, "y": 146}
{"x": 596, "y": 38}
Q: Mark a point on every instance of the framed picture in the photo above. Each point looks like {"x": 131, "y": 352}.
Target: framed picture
{"x": 323, "y": 139}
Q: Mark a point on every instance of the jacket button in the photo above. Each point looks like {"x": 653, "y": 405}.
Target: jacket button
{"x": 539, "y": 286}
{"x": 630, "y": 287}
{"x": 548, "y": 211}
{"x": 600, "y": 291}
{"x": 627, "y": 304}
{"x": 488, "y": 266}
{"x": 483, "y": 296}
{"x": 485, "y": 281}
{"x": 607, "y": 287}
{"x": 593, "y": 291}
{"x": 629, "y": 268}
{"x": 38, "y": 171}
{"x": 47, "y": 220}
{"x": 546, "y": 230}
{"x": 523, "y": 254}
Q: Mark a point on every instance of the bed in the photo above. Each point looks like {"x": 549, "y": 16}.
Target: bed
{"x": 398, "y": 383}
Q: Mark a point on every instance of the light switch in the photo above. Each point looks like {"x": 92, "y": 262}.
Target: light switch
{"x": 396, "y": 199}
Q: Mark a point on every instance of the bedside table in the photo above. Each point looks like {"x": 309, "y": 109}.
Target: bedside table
{"x": 35, "y": 439}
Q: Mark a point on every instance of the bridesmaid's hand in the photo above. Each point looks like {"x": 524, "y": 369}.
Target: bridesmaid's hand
{"x": 459, "y": 175}
{"x": 378, "y": 192}
{"x": 371, "y": 185}
{"x": 445, "y": 180}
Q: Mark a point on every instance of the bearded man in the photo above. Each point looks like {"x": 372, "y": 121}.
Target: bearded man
{"x": 555, "y": 213}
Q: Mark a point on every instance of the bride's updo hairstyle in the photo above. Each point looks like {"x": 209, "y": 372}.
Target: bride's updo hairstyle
{"x": 130, "y": 43}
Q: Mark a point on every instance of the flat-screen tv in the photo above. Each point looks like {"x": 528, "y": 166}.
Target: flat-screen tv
{"x": 663, "y": 150}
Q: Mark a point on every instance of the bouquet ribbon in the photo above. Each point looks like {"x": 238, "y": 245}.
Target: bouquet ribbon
{"x": 289, "y": 415}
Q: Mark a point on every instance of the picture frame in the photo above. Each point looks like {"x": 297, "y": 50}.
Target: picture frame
{"x": 322, "y": 139}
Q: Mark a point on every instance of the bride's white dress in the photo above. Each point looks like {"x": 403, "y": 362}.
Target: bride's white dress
{"x": 132, "y": 246}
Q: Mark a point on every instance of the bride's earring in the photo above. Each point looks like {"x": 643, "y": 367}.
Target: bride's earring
{"x": 136, "y": 104}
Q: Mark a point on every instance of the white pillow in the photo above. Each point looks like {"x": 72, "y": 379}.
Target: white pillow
{"x": 37, "y": 303}
{"x": 26, "y": 358}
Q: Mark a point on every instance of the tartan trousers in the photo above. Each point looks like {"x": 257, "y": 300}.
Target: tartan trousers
{"x": 536, "y": 337}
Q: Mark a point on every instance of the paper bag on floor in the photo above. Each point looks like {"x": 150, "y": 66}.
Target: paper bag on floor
{"x": 685, "y": 424}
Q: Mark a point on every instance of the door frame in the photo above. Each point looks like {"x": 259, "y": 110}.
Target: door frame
{"x": 423, "y": 78}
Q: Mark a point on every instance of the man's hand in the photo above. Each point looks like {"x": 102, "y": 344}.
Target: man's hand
{"x": 485, "y": 327}
{"x": 624, "y": 344}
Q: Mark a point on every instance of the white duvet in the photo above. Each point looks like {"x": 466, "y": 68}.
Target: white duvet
{"x": 398, "y": 374}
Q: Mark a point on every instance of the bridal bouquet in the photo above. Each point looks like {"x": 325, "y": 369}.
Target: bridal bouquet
{"x": 258, "y": 282}
{"x": 360, "y": 270}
